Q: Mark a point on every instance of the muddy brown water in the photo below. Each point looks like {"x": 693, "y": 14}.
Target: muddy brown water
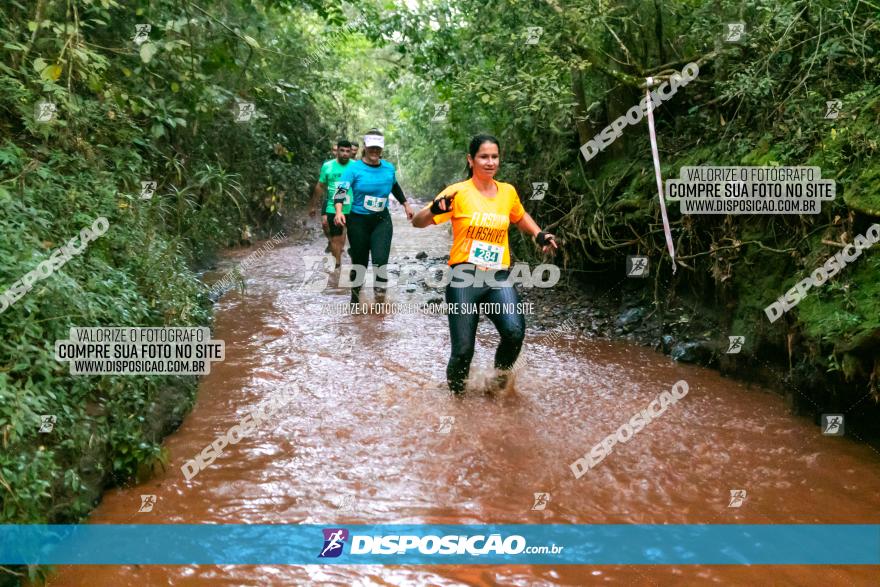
{"x": 357, "y": 442}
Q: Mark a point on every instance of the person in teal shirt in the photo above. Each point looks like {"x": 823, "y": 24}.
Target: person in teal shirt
{"x": 328, "y": 181}
{"x": 369, "y": 182}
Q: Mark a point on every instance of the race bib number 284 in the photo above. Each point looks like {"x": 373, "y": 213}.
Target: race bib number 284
{"x": 485, "y": 254}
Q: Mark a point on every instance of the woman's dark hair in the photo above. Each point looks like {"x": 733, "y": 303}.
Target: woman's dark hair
{"x": 476, "y": 143}
{"x": 374, "y": 131}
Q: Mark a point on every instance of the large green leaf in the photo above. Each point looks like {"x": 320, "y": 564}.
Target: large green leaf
{"x": 51, "y": 72}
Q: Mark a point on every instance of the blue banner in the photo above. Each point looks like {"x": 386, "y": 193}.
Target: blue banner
{"x": 556, "y": 544}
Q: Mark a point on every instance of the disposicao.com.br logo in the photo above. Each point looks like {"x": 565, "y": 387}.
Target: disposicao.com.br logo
{"x": 431, "y": 544}
{"x": 334, "y": 542}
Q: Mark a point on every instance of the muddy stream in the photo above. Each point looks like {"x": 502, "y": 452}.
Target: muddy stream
{"x": 365, "y": 436}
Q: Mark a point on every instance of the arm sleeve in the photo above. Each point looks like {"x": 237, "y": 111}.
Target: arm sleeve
{"x": 441, "y": 218}
{"x": 516, "y": 210}
{"x": 398, "y": 193}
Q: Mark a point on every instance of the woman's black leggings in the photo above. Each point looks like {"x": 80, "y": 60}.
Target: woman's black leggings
{"x": 502, "y": 308}
{"x": 370, "y": 236}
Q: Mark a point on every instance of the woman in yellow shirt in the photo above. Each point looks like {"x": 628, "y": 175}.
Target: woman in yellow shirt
{"x": 481, "y": 210}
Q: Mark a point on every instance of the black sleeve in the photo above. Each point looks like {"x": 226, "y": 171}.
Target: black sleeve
{"x": 398, "y": 193}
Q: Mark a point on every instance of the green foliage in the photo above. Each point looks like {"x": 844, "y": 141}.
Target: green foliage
{"x": 844, "y": 313}
{"x": 127, "y": 113}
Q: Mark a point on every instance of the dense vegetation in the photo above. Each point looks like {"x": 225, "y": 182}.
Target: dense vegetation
{"x": 160, "y": 110}
{"x": 163, "y": 110}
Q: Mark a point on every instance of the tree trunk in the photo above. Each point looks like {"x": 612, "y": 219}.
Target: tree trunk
{"x": 585, "y": 132}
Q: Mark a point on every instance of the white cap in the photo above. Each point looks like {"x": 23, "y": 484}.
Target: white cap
{"x": 374, "y": 141}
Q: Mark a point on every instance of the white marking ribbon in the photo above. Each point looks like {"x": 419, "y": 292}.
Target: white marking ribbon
{"x": 656, "y": 157}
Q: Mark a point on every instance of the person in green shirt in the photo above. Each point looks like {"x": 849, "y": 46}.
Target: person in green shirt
{"x": 325, "y": 187}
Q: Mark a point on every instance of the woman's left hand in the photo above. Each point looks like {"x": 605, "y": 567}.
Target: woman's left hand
{"x": 547, "y": 242}
{"x": 409, "y": 212}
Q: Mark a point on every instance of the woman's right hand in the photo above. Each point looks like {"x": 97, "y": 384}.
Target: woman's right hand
{"x": 442, "y": 204}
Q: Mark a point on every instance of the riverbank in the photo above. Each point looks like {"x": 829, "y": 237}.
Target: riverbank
{"x": 691, "y": 332}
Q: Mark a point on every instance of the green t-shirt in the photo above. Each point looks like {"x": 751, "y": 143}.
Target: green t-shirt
{"x": 331, "y": 171}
